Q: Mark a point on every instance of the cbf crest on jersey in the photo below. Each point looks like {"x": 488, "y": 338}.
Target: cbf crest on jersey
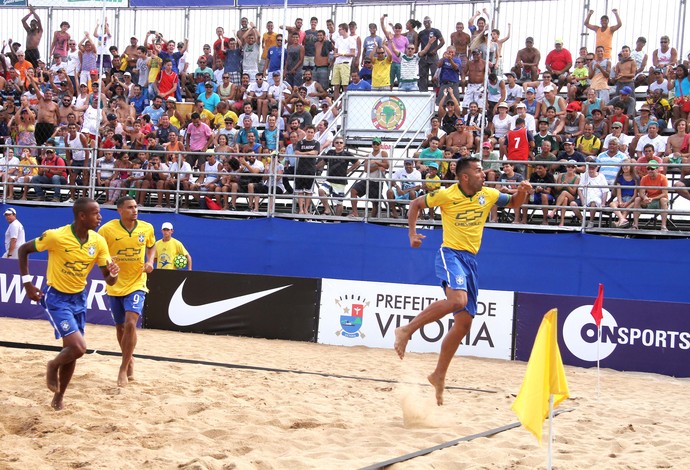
{"x": 353, "y": 315}
{"x": 141, "y": 238}
{"x": 92, "y": 250}
{"x": 481, "y": 200}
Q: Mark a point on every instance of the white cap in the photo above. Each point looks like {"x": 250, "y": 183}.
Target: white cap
{"x": 167, "y": 225}
{"x": 10, "y": 211}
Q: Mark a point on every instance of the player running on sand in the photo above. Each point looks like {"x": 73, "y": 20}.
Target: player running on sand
{"x": 132, "y": 244}
{"x": 465, "y": 207}
{"x": 72, "y": 252}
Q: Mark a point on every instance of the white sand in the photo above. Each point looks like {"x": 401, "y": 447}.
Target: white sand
{"x": 194, "y": 416}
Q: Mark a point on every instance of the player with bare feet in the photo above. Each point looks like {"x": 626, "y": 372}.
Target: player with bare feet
{"x": 465, "y": 207}
{"x": 132, "y": 243}
{"x": 72, "y": 252}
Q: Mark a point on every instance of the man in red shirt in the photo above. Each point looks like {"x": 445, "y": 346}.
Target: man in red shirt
{"x": 55, "y": 176}
{"x": 652, "y": 198}
{"x": 519, "y": 144}
{"x": 220, "y": 45}
{"x": 558, "y": 62}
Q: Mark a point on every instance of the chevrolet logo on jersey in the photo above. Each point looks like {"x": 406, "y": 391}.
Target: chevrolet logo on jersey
{"x": 76, "y": 266}
{"x": 128, "y": 252}
{"x": 469, "y": 216}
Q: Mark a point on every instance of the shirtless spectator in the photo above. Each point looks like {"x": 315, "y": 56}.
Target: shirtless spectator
{"x": 625, "y": 70}
{"x": 604, "y": 32}
{"x": 322, "y": 48}
{"x": 34, "y": 32}
{"x": 473, "y": 76}
{"x": 460, "y": 40}
{"x": 527, "y": 62}
{"x": 558, "y": 62}
{"x": 48, "y": 115}
{"x": 458, "y": 138}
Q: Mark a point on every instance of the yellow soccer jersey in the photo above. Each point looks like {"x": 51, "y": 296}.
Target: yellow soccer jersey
{"x": 70, "y": 261}
{"x": 463, "y": 217}
{"x": 128, "y": 249}
{"x": 166, "y": 252}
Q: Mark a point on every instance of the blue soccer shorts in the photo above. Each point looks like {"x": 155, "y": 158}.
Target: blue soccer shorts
{"x": 119, "y": 305}
{"x": 66, "y": 312}
{"x": 457, "y": 270}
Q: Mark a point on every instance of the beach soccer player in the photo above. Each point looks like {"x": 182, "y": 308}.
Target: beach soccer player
{"x": 465, "y": 207}
{"x": 72, "y": 252}
{"x": 132, "y": 244}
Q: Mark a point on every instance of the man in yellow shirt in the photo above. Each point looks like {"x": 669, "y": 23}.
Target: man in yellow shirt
{"x": 168, "y": 248}
{"x": 381, "y": 58}
{"x": 131, "y": 243}
{"x": 72, "y": 252}
{"x": 465, "y": 207}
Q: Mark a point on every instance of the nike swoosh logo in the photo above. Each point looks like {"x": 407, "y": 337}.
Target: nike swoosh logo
{"x": 118, "y": 239}
{"x": 183, "y": 314}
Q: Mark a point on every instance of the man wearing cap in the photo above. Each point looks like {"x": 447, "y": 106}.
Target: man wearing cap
{"x": 610, "y": 161}
{"x": 569, "y": 153}
{"x": 625, "y": 100}
{"x": 473, "y": 79}
{"x": 542, "y": 135}
{"x": 132, "y": 243}
{"x": 514, "y": 92}
{"x": 14, "y": 236}
{"x": 617, "y": 133}
{"x": 558, "y": 63}
{"x": 405, "y": 186}
{"x": 625, "y": 70}
{"x": 527, "y": 62}
{"x": 521, "y": 112}
{"x": 428, "y": 62}
{"x": 490, "y": 162}
{"x": 650, "y": 196}
{"x": 53, "y": 173}
{"x": 167, "y": 248}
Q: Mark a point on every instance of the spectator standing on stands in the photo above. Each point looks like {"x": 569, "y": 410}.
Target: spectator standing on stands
{"x": 428, "y": 62}
{"x": 604, "y": 32}
{"x": 34, "y": 32}
{"x": 306, "y": 150}
{"x": 450, "y": 66}
{"x": 398, "y": 44}
{"x": 345, "y": 51}
{"x": 14, "y": 236}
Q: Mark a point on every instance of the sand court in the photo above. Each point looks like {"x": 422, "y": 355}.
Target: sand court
{"x": 346, "y": 408}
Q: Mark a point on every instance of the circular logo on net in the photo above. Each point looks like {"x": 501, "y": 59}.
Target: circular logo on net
{"x": 388, "y": 113}
{"x": 580, "y": 334}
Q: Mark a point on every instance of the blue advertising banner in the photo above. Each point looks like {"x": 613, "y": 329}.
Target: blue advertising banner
{"x": 14, "y": 302}
{"x": 636, "y": 335}
{"x": 13, "y": 3}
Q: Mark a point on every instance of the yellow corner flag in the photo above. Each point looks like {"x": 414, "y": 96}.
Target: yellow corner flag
{"x": 544, "y": 376}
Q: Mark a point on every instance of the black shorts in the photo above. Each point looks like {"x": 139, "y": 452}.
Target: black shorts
{"x": 370, "y": 188}
{"x": 263, "y": 189}
{"x": 304, "y": 183}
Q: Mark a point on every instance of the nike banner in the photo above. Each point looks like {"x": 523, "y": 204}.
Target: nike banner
{"x": 233, "y": 304}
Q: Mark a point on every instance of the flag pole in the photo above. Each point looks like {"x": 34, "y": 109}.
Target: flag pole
{"x": 548, "y": 465}
{"x": 598, "y": 344}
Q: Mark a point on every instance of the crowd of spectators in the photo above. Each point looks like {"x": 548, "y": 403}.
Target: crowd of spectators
{"x": 256, "y": 112}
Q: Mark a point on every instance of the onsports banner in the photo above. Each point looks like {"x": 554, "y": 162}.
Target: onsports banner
{"x": 636, "y": 335}
{"x": 392, "y": 115}
{"x": 358, "y": 313}
{"x": 13, "y": 3}
{"x": 14, "y": 302}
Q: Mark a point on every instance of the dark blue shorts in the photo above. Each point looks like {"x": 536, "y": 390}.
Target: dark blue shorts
{"x": 457, "y": 270}
{"x": 66, "y": 312}
{"x": 119, "y": 305}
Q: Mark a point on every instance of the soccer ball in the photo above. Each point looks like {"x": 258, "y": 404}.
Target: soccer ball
{"x": 180, "y": 261}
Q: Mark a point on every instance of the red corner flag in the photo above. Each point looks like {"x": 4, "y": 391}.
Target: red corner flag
{"x": 597, "y": 312}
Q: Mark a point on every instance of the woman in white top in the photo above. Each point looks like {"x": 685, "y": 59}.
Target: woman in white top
{"x": 500, "y": 124}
